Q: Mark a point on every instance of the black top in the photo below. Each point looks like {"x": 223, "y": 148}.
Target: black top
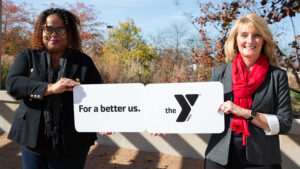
{"x": 44, "y": 144}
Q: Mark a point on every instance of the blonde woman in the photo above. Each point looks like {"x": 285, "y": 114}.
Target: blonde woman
{"x": 257, "y": 103}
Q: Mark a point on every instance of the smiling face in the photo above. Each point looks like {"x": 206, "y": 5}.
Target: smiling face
{"x": 249, "y": 42}
{"x": 55, "y": 41}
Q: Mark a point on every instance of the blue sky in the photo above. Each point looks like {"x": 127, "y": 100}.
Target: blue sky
{"x": 152, "y": 15}
{"x": 149, "y": 15}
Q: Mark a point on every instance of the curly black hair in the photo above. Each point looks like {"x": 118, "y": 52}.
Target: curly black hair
{"x": 71, "y": 22}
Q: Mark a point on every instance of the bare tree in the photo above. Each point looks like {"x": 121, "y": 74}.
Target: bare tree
{"x": 159, "y": 40}
{"x": 177, "y": 35}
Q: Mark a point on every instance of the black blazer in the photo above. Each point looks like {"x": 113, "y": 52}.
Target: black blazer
{"x": 27, "y": 80}
{"x": 271, "y": 97}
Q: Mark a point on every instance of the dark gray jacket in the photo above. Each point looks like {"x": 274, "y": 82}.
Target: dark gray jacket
{"x": 272, "y": 97}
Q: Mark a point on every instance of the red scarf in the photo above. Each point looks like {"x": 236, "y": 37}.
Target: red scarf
{"x": 244, "y": 85}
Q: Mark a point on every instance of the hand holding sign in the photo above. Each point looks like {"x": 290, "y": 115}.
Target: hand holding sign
{"x": 106, "y": 133}
{"x": 158, "y": 134}
{"x": 64, "y": 84}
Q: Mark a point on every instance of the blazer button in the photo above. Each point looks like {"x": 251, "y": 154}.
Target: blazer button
{"x": 31, "y": 70}
{"x": 30, "y": 99}
{"x": 77, "y": 80}
{"x": 35, "y": 96}
{"x": 31, "y": 96}
{"x": 38, "y": 96}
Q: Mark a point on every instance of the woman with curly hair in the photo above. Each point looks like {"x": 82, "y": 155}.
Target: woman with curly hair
{"x": 43, "y": 78}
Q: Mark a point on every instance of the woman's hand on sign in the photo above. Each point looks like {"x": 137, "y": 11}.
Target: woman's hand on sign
{"x": 64, "y": 84}
{"x": 158, "y": 134}
{"x": 229, "y": 107}
{"x": 106, "y": 133}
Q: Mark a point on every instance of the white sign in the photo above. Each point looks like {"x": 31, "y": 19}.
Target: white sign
{"x": 184, "y": 107}
{"x": 157, "y": 108}
{"x": 109, "y": 107}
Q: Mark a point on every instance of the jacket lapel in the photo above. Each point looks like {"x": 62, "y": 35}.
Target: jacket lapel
{"x": 227, "y": 83}
{"x": 41, "y": 63}
{"x": 72, "y": 66}
{"x": 261, "y": 92}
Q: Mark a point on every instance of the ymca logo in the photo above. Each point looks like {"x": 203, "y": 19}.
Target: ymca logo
{"x": 186, "y": 103}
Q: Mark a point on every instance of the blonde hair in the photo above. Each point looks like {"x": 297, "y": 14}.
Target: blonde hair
{"x": 260, "y": 25}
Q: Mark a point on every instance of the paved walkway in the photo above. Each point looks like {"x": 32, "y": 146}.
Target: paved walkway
{"x": 105, "y": 157}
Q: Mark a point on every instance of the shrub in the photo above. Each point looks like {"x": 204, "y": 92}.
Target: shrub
{"x": 295, "y": 102}
{"x": 5, "y": 66}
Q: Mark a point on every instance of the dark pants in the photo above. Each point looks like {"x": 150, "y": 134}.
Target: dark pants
{"x": 73, "y": 161}
{"x": 237, "y": 157}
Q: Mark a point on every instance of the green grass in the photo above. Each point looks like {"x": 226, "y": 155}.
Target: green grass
{"x": 295, "y": 102}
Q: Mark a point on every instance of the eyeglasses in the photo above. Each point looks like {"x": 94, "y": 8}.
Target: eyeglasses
{"x": 59, "y": 30}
